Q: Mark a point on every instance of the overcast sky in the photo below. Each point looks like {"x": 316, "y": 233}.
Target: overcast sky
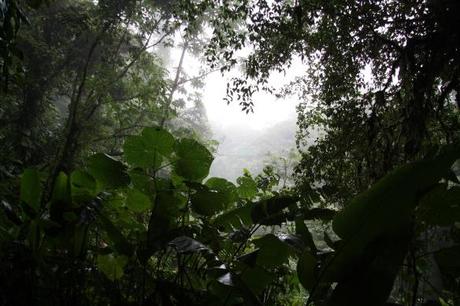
{"x": 268, "y": 110}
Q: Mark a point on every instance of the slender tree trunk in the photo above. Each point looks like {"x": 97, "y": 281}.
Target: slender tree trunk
{"x": 175, "y": 85}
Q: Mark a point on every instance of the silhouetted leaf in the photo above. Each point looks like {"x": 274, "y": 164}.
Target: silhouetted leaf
{"x": 306, "y": 270}
{"x": 209, "y": 202}
{"x": 323, "y": 214}
{"x": 302, "y": 231}
{"x": 184, "y": 244}
{"x": 272, "y": 251}
{"x": 265, "y": 209}
{"x": 109, "y": 172}
{"x": 256, "y": 278}
{"x": 384, "y": 210}
{"x": 226, "y": 188}
{"x": 235, "y": 218}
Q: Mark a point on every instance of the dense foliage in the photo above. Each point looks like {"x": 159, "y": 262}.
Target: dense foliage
{"x": 105, "y": 191}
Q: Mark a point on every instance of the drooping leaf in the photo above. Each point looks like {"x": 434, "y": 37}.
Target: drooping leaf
{"x": 235, "y": 218}
{"x": 272, "y": 251}
{"x": 60, "y": 202}
{"x": 184, "y": 244}
{"x": 371, "y": 280}
{"x": 61, "y": 189}
{"x": 392, "y": 198}
{"x": 302, "y": 231}
{"x": 295, "y": 242}
{"x": 266, "y": 209}
{"x": 138, "y": 201}
{"x": 112, "y": 266}
{"x": 384, "y": 210}
{"x": 193, "y": 160}
{"x": 306, "y": 270}
{"x": 109, "y": 172}
{"x": 31, "y": 189}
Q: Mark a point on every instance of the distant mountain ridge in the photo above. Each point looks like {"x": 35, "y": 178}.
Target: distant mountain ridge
{"x": 241, "y": 148}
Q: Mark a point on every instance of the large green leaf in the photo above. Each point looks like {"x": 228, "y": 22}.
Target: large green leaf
{"x": 60, "y": 203}
{"x": 193, "y": 160}
{"x": 372, "y": 278}
{"x": 170, "y": 203}
{"x": 306, "y": 270}
{"x": 302, "y": 231}
{"x": 61, "y": 189}
{"x": 247, "y": 187}
{"x": 138, "y": 201}
{"x": 112, "y": 266}
{"x": 214, "y": 197}
{"x": 159, "y": 139}
{"x": 141, "y": 180}
{"x": 208, "y": 202}
{"x": 385, "y": 210}
{"x": 228, "y": 189}
{"x": 256, "y": 278}
{"x": 83, "y": 186}
{"x": 148, "y": 149}
{"x": 31, "y": 189}
{"x": 163, "y": 221}
{"x": 120, "y": 243}
{"x": 394, "y": 198}
{"x": 441, "y": 206}
{"x": 272, "y": 251}
{"x": 109, "y": 172}
{"x": 235, "y": 218}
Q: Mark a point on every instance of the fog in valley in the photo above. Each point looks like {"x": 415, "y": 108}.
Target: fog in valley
{"x": 251, "y": 140}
